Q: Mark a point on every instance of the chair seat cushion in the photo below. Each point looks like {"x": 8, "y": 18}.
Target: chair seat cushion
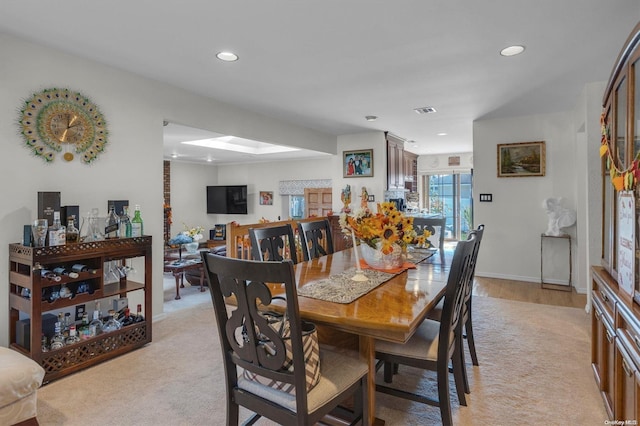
{"x": 337, "y": 372}
{"x": 422, "y": 345}
{"x": 20, "y": 376}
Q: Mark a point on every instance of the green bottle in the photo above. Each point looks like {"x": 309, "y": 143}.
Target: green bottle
{"x": 136, "y": 223}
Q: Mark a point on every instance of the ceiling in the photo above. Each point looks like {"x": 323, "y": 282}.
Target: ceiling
{"x": 327, "y": 64}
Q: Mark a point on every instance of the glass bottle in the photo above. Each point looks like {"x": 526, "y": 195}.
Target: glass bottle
{"x": 50, "y": 275}
{"x": 73, "y": 337}
{"x": 127, "y": 319}
{"x": 125, "y": 223}
{"x": 57, "y": 341}
{"x": 95, "y": 326}
{"x": 61, "y": 270}
{"x": 73, "y": 233}
{"x": 112, "y": 230}
{"x": 84, "y": 331}
{"x": 44, "y": 343}
{"x": 136, "y": 223}
{"x": 57, "y": 232}
{"x": 112, "y": 324}
{"x": 79, "y": 267}
{"x": 66, "y": 325}
{"x": 139, "y": 317}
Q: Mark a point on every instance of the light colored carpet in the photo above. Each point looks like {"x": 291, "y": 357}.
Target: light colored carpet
{"x": 534, "y": 369}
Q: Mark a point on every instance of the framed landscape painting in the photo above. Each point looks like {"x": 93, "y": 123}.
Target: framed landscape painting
{"x": 357, "y": 163}
{"x": 521, "y": 159}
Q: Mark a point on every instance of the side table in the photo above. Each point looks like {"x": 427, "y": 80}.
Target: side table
{"x": 177, "y": 268}
{"x": 548, "y": 285}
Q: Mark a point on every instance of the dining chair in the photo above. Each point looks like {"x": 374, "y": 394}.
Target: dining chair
{"x": 315, "y": 238}
{"x": 467, "y": 321}
{"x": 274, "y": 243}
{"x": 434, "y": 343}
{"x": 242, "y": 329}
{"x": 437, "y": 227}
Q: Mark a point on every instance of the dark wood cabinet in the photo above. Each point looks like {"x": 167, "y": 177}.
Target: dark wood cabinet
{"x": 28, "y": 301}
{"x": 341, "y": 241}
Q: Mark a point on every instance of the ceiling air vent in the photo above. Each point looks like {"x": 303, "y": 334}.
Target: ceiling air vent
{"x": 425, "y": 110}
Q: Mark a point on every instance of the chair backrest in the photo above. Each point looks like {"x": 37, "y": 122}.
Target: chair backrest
{"x": 275, "y": 243}
{"x": 240, "y": 329}
{"x": 454, "y": 298}
{"x": 315, "y": 238}
{"x": 469, "y": 289}
{"x": 436, "y": 225}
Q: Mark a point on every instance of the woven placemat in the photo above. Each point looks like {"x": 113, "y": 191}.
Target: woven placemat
{"x": 340, "y": 288}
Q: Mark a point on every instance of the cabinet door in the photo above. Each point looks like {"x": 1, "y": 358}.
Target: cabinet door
{"x": 625, "y": 379}
{"x": 395, "y": 178}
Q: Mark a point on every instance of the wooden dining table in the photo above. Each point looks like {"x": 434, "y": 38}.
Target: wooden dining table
{"x": 392, "y": 311}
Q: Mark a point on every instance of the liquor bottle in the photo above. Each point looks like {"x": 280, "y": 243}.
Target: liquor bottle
{"x": 127, "y": 319}
{"x": 73, "y": 233}
{"x": 50, "y": 275}
{"x": 136, "y": 223}
{"x": 112, "y": 324}
{"x": 84, "y": 331}
{"x": 139, "y": 317}
{"x": 57, "y": 341}
{"x": 73, "y": 337}
{"x": 79, "y": 267}
{"x": 112, "y": 230}
{"x": 57, "y": 232}
{"x": 66, "y": 325}
{"x": 95, "y": 326}
{"x": 44, "y": 343}
{"x": 125, "y": 223}
{"x": 61, "y": 270}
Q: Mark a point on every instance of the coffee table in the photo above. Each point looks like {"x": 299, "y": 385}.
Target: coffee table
{"x": 178, "y": 267}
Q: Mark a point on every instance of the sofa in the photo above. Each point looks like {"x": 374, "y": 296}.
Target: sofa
{"x": 20, "y": 378}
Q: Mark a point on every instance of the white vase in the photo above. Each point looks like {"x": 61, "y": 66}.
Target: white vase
{"x": 192, "y": 248}
{"x": 378, "y": 260}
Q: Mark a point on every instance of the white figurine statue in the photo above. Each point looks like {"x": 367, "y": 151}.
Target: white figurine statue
{"x": 559, "y": 217}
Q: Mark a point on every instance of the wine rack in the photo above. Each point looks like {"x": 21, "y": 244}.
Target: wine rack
{"x": 26, "y": 286}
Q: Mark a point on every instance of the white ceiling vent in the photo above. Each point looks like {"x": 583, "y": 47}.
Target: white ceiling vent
{"x": 425, "y": 110}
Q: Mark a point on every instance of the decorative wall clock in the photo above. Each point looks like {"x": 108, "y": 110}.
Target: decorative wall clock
{"x": 63, "y": 121}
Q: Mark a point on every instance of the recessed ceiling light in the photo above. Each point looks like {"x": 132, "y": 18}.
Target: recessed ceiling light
{"x": 370, "y": 117}
{"x": 442, "y": 134}
{"x": 512, "y": 50}
{"x": 174, "y": 155}
{"x": 227, "y": 56}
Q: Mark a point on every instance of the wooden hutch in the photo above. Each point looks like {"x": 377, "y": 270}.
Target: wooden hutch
{"x": 615, "y": 349}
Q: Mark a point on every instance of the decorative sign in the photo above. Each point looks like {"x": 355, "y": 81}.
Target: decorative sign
{"x": 454, "y": 161}
{"x": 625, "y": 243}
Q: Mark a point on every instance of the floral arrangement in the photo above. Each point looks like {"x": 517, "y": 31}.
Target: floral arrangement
{"x": 387, "y": 226}
{"x": 189, "y": 235}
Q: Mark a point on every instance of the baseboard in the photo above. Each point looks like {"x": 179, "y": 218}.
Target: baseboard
{"x": 536, "y": 280}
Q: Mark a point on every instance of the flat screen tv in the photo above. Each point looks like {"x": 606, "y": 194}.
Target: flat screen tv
{"x": 227, "y": 199}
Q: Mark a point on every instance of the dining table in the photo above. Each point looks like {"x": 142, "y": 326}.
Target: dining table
{"x": 392, "y": 310}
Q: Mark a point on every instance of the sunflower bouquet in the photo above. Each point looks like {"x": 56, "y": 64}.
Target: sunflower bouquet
{"x": 383, "y": 229}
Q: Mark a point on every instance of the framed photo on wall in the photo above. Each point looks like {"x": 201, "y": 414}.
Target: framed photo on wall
{"x": 266, "y": 198}
{"x": 357, "y": 163}
{"x": 521, "y": 159}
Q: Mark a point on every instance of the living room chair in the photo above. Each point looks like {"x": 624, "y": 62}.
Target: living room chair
{"x": 242, "y": 328}
{"x": 315, "y": 238}
{"x": 434, "y": 344}
{"x": 275, "y": 243}
{"x": 436, "y": 226}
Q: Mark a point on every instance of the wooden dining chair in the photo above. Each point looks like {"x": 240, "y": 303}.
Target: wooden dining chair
{"x": 315, "y": 238}
{"x": 437, "y": 227}
{"x": 434, "y": 344}
{"x": 242, "y": 328}
{"x": 273, "y": 244}
{"x": 467, "y": 321}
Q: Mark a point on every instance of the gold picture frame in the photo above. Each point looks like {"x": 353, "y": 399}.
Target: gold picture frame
{"x": 522, "y": 159}
{"x": 358, "y": 163}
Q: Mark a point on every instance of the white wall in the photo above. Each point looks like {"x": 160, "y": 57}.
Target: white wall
{"x": 515, "y": 219}
{"x": 131, "y": 166}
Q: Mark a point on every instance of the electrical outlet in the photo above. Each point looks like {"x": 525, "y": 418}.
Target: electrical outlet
{"x": 80, "y": 310}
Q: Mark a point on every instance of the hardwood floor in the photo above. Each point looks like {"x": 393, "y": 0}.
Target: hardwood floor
{"x": 526, "y": 292}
